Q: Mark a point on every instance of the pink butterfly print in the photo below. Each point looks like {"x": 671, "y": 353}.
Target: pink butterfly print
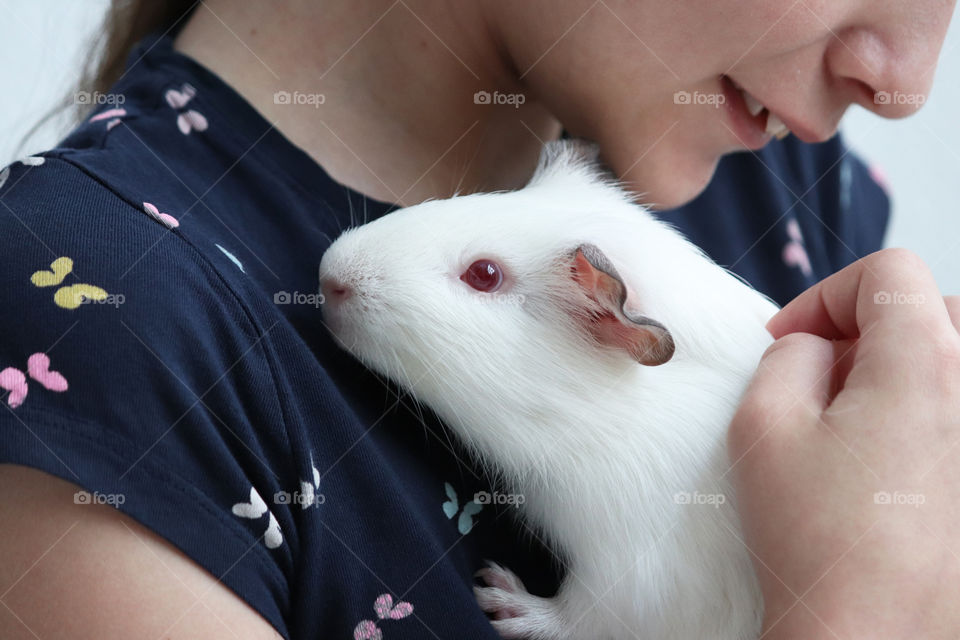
{"x": 880, "y": 177}
{"x": 38, "y": 367}
{"x": 15, "y": 382}
{"x": 367, "y": 630}
{"x": 188, "y": 119}
{"x": 794, "y": 253}
{"x": 112, "y": 115}
{"x": 385, "y": 609}
{"x": 165, "y": 219}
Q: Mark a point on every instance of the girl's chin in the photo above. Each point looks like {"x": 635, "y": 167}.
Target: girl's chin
{"x": 671, "y": 173}
{"x": 669, "y": 190}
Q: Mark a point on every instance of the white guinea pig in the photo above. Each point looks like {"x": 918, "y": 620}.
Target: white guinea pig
{"x": 593, "y": 358}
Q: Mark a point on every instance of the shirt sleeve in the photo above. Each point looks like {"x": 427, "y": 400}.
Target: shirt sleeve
{"x": 129, "y": 368}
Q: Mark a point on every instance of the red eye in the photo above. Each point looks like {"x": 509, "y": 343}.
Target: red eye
{"x": 483, "y": 275}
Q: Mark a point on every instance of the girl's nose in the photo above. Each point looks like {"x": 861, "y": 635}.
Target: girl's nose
{"x": 890, "y": 55}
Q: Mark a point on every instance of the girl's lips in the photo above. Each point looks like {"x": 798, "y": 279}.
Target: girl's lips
{"x": 750, "y": 130}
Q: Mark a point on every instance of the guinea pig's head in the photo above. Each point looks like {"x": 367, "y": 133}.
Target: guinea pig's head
{"x": 488, "y": 294}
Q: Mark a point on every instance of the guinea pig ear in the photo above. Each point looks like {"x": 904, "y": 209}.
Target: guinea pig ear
{"x": 608, "y": 319}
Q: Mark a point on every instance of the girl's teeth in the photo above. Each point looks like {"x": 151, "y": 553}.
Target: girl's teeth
{"x": 753, "y": 105}
{"x": 776, "y": 128}
{"x": 775, "y": 125}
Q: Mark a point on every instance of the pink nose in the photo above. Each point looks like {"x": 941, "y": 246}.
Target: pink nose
{"x": 334, "y": 291}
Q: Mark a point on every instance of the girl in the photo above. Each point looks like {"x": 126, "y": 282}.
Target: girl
{"x": 163, "y": 354}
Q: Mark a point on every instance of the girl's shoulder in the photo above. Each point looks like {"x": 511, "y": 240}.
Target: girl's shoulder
{"x": 125, "y": 353}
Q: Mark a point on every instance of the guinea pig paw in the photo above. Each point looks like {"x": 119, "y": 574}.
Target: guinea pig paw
{"x": 500, "y": 577}
{"x": 516, "y": 613}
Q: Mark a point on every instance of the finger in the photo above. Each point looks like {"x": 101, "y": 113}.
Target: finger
{"x": 793, "y": 380}
{"x": 893, "y": 287}
{"x": 953, "y": 308}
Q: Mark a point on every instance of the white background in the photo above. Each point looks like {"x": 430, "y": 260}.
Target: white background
{"x": 43, "y": 43}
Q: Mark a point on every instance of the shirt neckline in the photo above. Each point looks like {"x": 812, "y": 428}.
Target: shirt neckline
{"x": 255, "y": 133}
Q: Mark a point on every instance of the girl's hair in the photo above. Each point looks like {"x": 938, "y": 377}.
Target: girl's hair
{"x": 126, "y": 22}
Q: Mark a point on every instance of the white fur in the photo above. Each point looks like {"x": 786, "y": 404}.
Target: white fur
{"x": 598, "y": 444}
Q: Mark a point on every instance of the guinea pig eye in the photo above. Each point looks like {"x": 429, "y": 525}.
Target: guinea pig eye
{"x": 483, "y": 275}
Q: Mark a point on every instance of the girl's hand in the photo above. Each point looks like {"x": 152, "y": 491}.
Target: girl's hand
{"x": 846, "y": 458}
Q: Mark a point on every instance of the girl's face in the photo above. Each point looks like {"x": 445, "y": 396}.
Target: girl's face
{"x": 655, "y": 82}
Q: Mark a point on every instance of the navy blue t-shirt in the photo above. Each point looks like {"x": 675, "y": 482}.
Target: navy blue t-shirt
{"x": 163, "y": 349}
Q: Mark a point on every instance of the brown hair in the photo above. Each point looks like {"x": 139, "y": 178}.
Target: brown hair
{"x": 126, "y": 22}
